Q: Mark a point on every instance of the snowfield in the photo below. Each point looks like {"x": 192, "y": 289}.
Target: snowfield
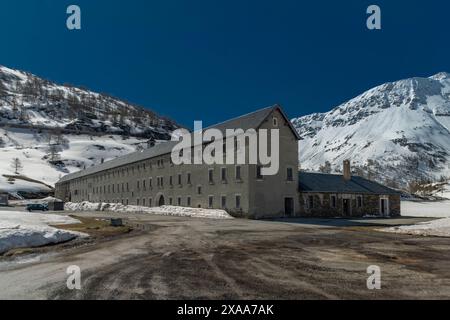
{"x": 164, "y": 210}
{"x": 433, "y": 209}
{"x": 437, "y": 228}
{"x": 26, "y": 230}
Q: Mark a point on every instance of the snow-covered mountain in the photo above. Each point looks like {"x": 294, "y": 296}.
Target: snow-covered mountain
{"x": 397, "y": 132}
{"x": 57, "y": 129}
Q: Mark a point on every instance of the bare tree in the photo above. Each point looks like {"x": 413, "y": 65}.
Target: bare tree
{"x": 17, "y": 166}
{"x": 326, "y": 168}
{"x": 53, "y": 153}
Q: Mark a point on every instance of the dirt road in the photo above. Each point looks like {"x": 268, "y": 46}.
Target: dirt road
{"x": 182, "y": 258}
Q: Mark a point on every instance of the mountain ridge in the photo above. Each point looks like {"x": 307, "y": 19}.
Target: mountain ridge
{"x": 400, "y": 128}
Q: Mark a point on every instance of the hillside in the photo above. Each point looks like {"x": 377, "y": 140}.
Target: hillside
{"x": 56, "y": 129}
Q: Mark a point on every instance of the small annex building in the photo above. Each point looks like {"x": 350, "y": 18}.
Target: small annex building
{"x": 332, "y": 195}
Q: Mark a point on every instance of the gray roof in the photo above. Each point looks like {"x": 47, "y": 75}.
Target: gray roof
{"x": 320, "y": 182}
{"x": 248, "y": 121}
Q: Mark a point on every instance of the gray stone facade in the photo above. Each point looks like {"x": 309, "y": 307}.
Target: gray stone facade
{"x": 324, "y": 204}
{"x": 155, "y": 181}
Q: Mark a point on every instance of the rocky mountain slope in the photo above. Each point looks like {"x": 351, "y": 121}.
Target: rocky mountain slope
{"x": 56, "y": 129}
{"x": 396, "y": 133}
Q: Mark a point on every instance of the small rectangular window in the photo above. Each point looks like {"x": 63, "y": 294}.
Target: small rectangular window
{"x": 188, "y": 201}
{"x": 179, "y": 201}
{"x": 333, "y": 201}
{"x": 199, "y": 190}
{"x": 170, "y": 201}
{"x": 310, "y": 202}
{"x": 289, "y": 174}
{"x": 238, "y": 202}
{"x": 238, "y": 173}
{"x": 211, "y": 175}
{"x": 179, "y": 179}
{"x": 188, "y": 178}
{"x": 360, "y": 204}
{"x": 224, "y": 174}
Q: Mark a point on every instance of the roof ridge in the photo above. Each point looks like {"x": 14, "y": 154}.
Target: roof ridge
{"x": 242, "y": 116}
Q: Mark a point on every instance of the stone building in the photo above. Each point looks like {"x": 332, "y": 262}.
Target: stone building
{"x": 329, "y": 195}
{"x": 149, "y": 178}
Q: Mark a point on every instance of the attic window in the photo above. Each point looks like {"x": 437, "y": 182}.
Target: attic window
{"x": 275, "y": 121}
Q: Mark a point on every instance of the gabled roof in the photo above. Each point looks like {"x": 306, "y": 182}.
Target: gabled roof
{"x": 248, "y": 121}
{"x": 320, "y": 182}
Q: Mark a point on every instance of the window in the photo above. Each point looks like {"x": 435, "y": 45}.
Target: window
{"x": 258, "y": 173}
{"x": 310, "y": 202}
{"x": 150, "y": 202}
{"x": 179, "y": 179}
{"x": 170, "y": 181}
{"x": 189, "y": 178}
{"x": 138, "y": 184}
{"x": 238, "y": 173}
{"x": 333, "y": 201}
{"x": 211, "y": 176}
{"x": 238, "y": 202}
{"x": 170, "y": 201}
{"x": 143, "y": 202}
{"x": 144, "y": 185}
{"x": 150, "y": 183}
{"x": 360, "y": 201}
{"x": 137, "y": 202}
{"x": 275, "y": 121}
{"x": 179, "y": 201}
{"x": 188, "y": 201}
{"x": 289, "y": 174}
{"x": 223, "y": 174}
{"x": 223, "y": 202}
{"x": 199, "y": 190}
{"x": 210, "y": 201}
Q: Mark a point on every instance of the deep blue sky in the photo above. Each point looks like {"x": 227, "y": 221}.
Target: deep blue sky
{"x": 214, "y": 59}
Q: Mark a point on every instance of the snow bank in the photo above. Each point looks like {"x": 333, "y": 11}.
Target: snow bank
{"x": 31, "y": 201}
{"x": 164, "y": 210}
{"x": 434, "y": 209}
{"x": 439, "y": 228}
{"x": 25, "y": 230}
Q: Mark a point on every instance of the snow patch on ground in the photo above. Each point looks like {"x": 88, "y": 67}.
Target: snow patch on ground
{"x": 26, "y": 230}
{"x": 433, "y": 209}
{"x": 437, "y": 228}
{"x": 164, "y": 210}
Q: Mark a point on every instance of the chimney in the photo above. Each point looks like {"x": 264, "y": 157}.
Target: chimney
{"x": 347, "y": 170}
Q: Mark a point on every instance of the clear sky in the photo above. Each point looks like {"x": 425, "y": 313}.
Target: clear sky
{"x": 212, "y": 60}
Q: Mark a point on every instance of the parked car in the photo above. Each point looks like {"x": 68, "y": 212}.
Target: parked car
{"x": 37, "y": 207}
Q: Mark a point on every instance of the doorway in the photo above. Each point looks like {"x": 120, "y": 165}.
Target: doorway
{"x": 384, "y": 207}
{"x": 346, "y": 207}
{"x": 161, "y": 201}
{"x": 289, "y": 207}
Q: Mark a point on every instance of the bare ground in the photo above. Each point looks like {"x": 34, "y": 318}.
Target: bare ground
{"x": 182, "y": 258}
